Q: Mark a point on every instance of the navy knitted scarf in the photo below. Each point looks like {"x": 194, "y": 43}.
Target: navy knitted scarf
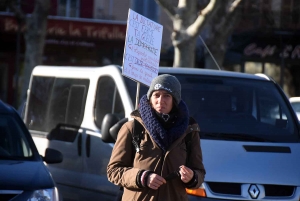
{"x": 164, "y": 137}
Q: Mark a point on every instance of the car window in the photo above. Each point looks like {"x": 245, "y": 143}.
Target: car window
{"x": 39, "y": 98}
{"x": 108, "y": 100}
{"x": 56, "y": 100}
{"x": 229, "y": 105}
{"x": 13, "y": 141}
{"x": 67, "y": 102}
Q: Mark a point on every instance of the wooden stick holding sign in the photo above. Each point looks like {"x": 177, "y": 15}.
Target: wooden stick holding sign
{"x": 138, "y": 86}
{"x": 142, "y": 50}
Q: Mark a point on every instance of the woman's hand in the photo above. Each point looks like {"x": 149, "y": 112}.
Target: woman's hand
{"x": 186, "y": 174}
{"x": 154, "y": 181}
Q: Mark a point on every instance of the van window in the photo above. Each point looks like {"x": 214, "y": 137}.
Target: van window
{"x": 67, "y": 102}
{"x": 108, "y": 100}
{"x": 40, "y": 92}
{"x": 56, "y": 100}
{"x": 234, "y": 107}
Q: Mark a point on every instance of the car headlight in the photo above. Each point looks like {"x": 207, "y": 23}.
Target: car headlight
{"x": 50, "y": 194}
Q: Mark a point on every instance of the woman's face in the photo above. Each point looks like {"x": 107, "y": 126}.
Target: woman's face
{"x": 161, "y": 101}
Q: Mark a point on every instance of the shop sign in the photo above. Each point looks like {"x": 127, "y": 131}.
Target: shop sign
{"x": 265, "y": 46}
{"x": 289, "y": 51}
{"x": 72, "y": 29}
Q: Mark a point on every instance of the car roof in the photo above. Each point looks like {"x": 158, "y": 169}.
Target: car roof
{"x": 294, "y": 99}
{"x": 86, "y": 70}
{"x": 211, "y": 72}
{"x": 5, "y": 108}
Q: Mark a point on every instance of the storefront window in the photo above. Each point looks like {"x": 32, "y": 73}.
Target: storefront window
{"x": 68, "y": 8}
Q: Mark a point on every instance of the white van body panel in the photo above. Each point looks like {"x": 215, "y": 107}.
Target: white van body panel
{"x": 267, "y": 160}
{"x": 260, "y": 169}
{"x": 84, "y": 172}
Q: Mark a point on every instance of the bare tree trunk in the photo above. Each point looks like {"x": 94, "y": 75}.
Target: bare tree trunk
{"x": 189, "y": 19}
{"x": 35, "y": 34}
{"x": 184, "y": 55}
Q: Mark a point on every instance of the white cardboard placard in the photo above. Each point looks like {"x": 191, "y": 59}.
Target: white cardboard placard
{"x": 142, "y": 48}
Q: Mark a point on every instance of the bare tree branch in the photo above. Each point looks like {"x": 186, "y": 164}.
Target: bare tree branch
{"x": 190, "y": 17}
{"x": 194, "y": 29}
{"x": 224, "y": 25}
{"x": 234, "y": 5}
{"x": 208, "y": 8}
{"x": 230, "y": 17}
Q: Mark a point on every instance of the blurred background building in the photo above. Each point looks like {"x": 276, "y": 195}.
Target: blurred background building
{"x": 92, "y": 33}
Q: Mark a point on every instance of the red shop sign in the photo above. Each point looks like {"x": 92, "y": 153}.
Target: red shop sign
{"x": 83, "y": 29}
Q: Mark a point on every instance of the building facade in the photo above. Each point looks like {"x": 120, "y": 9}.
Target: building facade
{"x": 92, "y": 33}
{"x": 79, "y": 33}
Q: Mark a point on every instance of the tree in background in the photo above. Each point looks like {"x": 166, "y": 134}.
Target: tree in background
{"x": 34, "y": 35}
{"x": 190, "y": 17}
{"x": 219, "y": 29}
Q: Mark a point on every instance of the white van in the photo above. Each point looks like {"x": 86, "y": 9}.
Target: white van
{"x": 249, "y": 132}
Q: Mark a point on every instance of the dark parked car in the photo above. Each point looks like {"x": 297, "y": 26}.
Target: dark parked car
{"x": 23, "y": 174}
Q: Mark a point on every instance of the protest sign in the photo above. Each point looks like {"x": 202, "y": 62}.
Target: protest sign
{"x": 142, "y": 48}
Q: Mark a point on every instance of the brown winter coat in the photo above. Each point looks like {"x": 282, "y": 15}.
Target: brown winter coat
{"x": 122, "y": 172}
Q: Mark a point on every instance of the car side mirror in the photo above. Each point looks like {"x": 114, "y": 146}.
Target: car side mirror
{"x": 108, "y": 121}
{"x": 52, "y": 156}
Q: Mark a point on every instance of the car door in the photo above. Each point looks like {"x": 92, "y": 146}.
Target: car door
{"x": 95, "y": 184}
{"x": 65, "y": 114}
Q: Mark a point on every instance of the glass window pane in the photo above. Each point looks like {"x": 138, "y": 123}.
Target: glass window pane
{"x": 237, "y": 106}
{"x": 62, "y": 8}
{"x": 73, "y": 8}
{"x": 68, "y": 8}
{"x": 13, "y": 141}
{"x": 38, "y": 102}
{"x": 65, "y": 105}
{"x": 108, "y": 100}
{"x": 76, "y": 105}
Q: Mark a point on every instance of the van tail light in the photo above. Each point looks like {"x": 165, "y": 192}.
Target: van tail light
{"x": 197, "y": 192}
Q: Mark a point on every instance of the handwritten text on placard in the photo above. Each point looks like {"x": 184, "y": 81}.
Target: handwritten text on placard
{"x": 142, "y": 48}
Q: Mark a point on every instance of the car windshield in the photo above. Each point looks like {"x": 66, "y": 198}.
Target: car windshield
{"x": 238, "y": 107}
{"x": 13, "y": 141}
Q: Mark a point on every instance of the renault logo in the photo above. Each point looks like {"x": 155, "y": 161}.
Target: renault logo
{"x": 253, "y": 191}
